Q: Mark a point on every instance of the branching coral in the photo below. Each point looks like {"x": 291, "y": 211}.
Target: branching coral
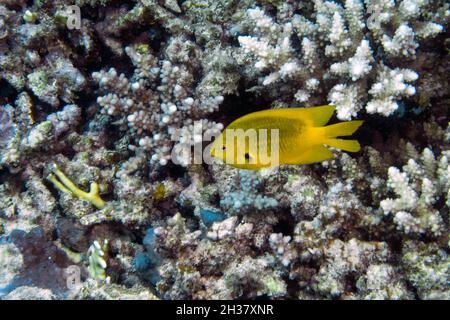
{"x": 144, "y": 83}
{"x": 245, "y": 199}
{"x": 334, "y": 56}
{"x": 419, "y": 188}
{"x": 50, "y": 73}
{"x": 7, "y": 128}
{"x": 347, "y": 259}
{"x": 160, "y": 103}
{"x": 64, "y": 184}
{"x": 426, "y": 268}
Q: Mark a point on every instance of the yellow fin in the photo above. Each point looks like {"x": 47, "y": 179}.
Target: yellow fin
{"x": 342, "y": 128}
{"x": 317, "y": 153}
{"x": 346, "y": 145}
{"x": 315, "y": 116}
{"x": 320, "y": 115}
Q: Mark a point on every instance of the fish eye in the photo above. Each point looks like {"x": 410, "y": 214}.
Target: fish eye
{"x": 223, "y": 147}
{"x": 247, "y": 156}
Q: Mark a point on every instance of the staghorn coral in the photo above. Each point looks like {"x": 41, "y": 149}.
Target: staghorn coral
{"x": 33, "y": 137}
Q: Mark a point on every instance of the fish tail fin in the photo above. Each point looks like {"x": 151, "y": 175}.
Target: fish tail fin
{"x": 346, "y": 145}
{"x": 342, "y": 128}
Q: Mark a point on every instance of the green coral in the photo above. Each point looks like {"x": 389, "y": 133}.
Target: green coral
{"x": 64, "y": 184}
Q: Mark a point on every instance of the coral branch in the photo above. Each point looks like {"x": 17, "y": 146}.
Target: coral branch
{"x": 64, "y": 184}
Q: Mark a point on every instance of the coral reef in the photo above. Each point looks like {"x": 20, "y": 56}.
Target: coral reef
{"x": 335, "y": 51}
{"x": 418, "y": 188}
{"x": 124, "y": 101}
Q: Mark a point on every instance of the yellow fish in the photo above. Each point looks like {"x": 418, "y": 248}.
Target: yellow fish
{"x": 283, "y": 136}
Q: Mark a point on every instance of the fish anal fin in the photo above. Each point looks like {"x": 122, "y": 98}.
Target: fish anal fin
{"x": 317, "y": 153}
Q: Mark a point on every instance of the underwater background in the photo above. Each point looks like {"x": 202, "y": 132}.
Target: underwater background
{"x": 96, "y": 95}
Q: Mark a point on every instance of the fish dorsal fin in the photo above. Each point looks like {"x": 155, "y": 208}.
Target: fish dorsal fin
{"x": 316, "y": 116}
{"x": 320, "y": 115}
